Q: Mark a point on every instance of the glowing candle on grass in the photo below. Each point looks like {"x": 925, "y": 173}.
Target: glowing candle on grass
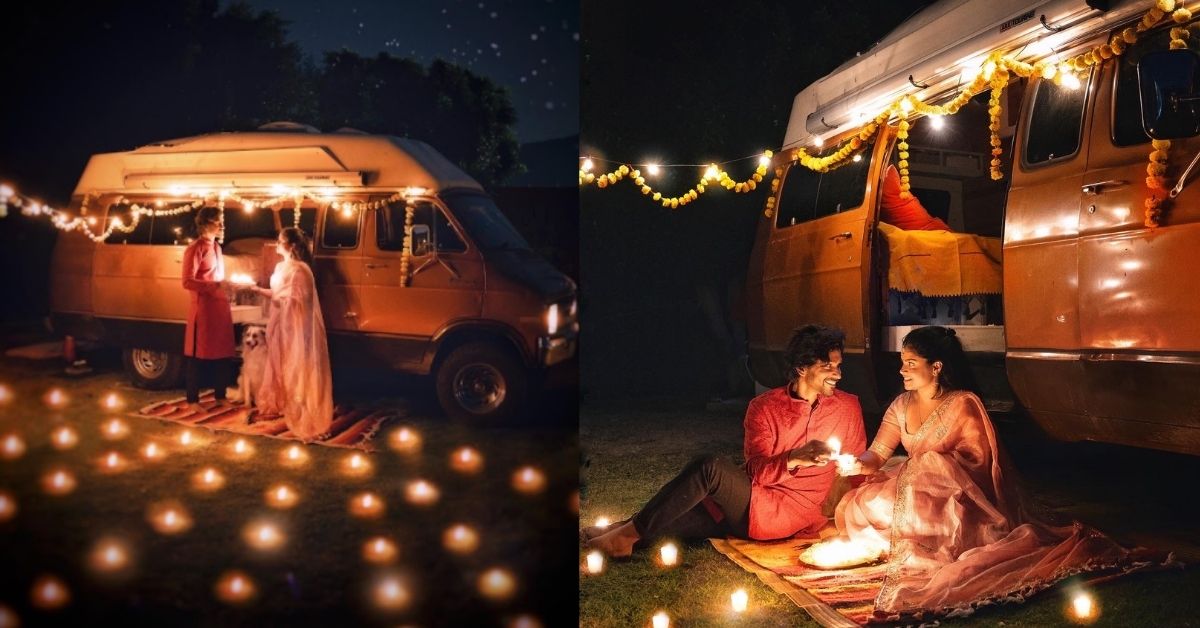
{"x": 263, "y": 536}
{"x": 460, "y": 539}
{"x": 112, "y": 462}
{"x": 234, "y": 587}
{"x": 390, "y": 593}
{"x": 208, "y": 479}
{"x": 738, "y": 600}
{"x": 466, "y": 460}
{"x": 109, "y": 556}
{"x": 497, "y": 584}
{"x": 595, "y": 563}
{"x": 58, "y": 482}
{"x": 115, "y": 429}
{"x": 153, "y": 452}
{"x": 282, "y": 496}
{"x": 8, "y": 506}
{"x": 8, "y": 617}
{"x": 379, "y": 550}
{"x": 529, "y": 480}
{"x": 242, "y": 449}
{"x": 405, "y": 440}
{"x": 50, "y": 593}
{"x": 366, "y": 505}
{"x": 421, "y": 493}
{"x": 186, "y": 438}
{"x": 602, "y": 522}
{"x": 111, "y": 401}
{"x": 1083, "y": 608}
{"x": 14, "y": 446}
{"x": 6, "y": 394}
{"x": 661, "y": 620}
{"x": 64, "y": 438}
{"x": 356, "y": 465}
{"x": 55, "y": 398}
{"x": 669, "y": 554}
{"x": 294, "y": 456}
{"x": 169, "y": 517}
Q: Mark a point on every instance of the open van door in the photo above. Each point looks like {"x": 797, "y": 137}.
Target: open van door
{"x": 811, "y": 264}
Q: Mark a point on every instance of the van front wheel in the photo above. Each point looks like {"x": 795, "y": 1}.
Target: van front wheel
{"x": 155, "y": 370}
{"x": 480, "y": 381}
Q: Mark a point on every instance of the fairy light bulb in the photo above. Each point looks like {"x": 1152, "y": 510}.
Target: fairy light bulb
{"x": 588, "y": 165}
{"x": 819, "y": 142}
{"x": 937, "y": 123}
{"x": 906, "y": 105}
{"x": 712, "y": 172}
{"x": 652, "y": 169}
{"x": 764, "y": 160}
{"x": 1071, "y": 81}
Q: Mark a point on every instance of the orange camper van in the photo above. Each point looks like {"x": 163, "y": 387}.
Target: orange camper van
{"x": 462, "y": 299}
{"x": 1067, "y": 302}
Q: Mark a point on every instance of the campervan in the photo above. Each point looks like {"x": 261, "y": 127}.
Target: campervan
{"x": 417, "y": 269}
{"x": 1070, "y": 306}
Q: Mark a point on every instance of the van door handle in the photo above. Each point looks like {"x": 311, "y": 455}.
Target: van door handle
{"x": 351, "y": 315}
{"x": 844, "y": 234}
{"x": 1096, "y": 188}
{"x": 377, "y": 265}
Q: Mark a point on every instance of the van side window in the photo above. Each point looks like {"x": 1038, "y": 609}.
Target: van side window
{"x": 1127, "y": 107}
{"x": 124, "y": 212}
{"x": 431, "y": 229}
{"x": 308, "y": 219}
{"x": 340, "y": 231}
{"x": 808, "y": 195}
{"x": 1055, "y": 122}
{"x": 177, "y": 230}
{"x": 239, "y": 225}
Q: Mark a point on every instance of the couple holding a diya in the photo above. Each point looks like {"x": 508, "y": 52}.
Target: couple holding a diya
{"x": 948, "y": 518}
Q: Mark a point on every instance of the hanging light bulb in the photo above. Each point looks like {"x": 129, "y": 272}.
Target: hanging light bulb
{"x": 937, "y": 123}
{"x": 587, "y": 164}
{"x": 652, "y": 169}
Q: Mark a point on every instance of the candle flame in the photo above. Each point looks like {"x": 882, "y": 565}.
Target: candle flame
{"x": 1082, "y": 605}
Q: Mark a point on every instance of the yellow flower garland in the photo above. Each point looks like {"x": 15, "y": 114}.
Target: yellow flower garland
{"x": 712, "y": 174}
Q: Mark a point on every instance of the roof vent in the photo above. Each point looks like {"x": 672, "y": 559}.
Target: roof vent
{"x": 289, "y": 127}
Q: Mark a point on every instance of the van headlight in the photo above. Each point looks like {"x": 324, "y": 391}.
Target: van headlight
{"x": 552, "y": 319}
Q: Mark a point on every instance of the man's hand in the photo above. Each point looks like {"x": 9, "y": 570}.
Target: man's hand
{"x": 812, "y": 453}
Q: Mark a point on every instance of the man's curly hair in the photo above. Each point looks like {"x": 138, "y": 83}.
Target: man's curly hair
{"x": 811, "y": 344}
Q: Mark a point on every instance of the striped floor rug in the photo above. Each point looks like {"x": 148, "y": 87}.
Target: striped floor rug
{"x": 353, "y": 425}
{"x": 842, "y": 598}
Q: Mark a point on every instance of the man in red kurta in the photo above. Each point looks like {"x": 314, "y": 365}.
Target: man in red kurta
{"x": 208, "y": 338}
{"x": 778, "y": 493}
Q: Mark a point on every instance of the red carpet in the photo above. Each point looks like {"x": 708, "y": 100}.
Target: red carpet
{"x": 353, "y": 426}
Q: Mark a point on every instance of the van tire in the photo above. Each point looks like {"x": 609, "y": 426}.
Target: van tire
{"x": 153, "y": 370}
{"x": 481, "y": 382}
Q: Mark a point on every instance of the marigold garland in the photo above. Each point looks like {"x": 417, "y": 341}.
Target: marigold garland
{"x": 712, "y": 174}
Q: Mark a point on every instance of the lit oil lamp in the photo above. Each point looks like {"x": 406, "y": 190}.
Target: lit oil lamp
{"x": 187, "y": 438}
{"x": 844, "y": 461}
{"x": 661, "y": 620}
{"x": 390, "y": 594}
{"x": 840, "y": 553}
{"x": 13, "y": 446}
{"x": 405, "y": 440}
{"x": 366, "y": 505}
{"x": 282, "y": 497}
{"x": 241, "y": 279}
{"x": 242, "y": 449}
{"x": 152, "y": 451}
{"x": 169, "y": 518}
{"x": 112, "y": 462}
{"x": 528, "y": 480}
{"x": 235, "y": 587}
{"x": 460, "y": 539}
{"x": 49, "y": 593}
{"x": 109, "y": 556}
{"x": 595, "y": 563}
{"x": 421, "y": 493}
{"x": 739, "y": 600}
{"x": 8, "y": 506}
{"x": 111, "y": 402}
{"x": 497, "y": 584}
{"x": 263, "y": 536}
{"x": 1084, "y": 609}
{"x": 294, "y": 456}
{"x": 356, "y": 465}
{"x": 55, "y": 398}
{"x": 208, "y": 479}
{"x": 668, "y": 555}
{"x": 602, "y": 522}
{"x": 58, "y": 482}
{"x": 466, "y": 460}
{"x": 64, "y": 438}
{"x": 379, "y": 550}
{"x": 114, "y": 429}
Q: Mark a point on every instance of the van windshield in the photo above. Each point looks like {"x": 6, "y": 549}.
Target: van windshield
{"x": 485, "y": 223}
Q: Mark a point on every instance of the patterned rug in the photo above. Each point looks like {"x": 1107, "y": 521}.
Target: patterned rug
{"x": 843, "y": 598}
{"x": 353, "y": 426}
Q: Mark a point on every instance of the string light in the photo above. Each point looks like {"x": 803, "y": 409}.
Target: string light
{"x": 58, "y": 482}
{"x": 50, "y": 593}
{"x": 379, "y": 550}
{"x": 366, "y": 505}
{"x": 234, "y": 587}
{"x": 109, "y": 555}
{"x": 460, "y": 539}
{"x": 390, "y": 593}
{"x": 282, "y": 496}
{"x": 497, "y": 584}
{"x": 114, "y": 429}
{"x": 13, "y": 446}
{"x": 528, "y": 480}
{"x": 421, "y": 493}
{"x": 208, "y": 479}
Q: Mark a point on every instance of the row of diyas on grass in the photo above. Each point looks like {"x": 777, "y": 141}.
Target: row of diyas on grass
{"x": 113, "y": 556}
{"x": 1082, "y": 607}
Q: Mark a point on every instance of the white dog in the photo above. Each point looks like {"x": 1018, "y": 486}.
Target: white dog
{"x": 254, "y": 362}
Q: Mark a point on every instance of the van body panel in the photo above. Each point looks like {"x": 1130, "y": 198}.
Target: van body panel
{"x": 71, "y": 266}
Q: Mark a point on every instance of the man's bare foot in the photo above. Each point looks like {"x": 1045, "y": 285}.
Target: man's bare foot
{"x": 618, "y": 542}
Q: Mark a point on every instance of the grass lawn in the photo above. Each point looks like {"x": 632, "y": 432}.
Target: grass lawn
{"x": 632, "y": 447}
{"x": 319, "y": 575}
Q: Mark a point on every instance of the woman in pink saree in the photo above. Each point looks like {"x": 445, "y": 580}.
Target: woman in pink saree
{"x": 296, "y": 380}
{"x": 956, "y": 530}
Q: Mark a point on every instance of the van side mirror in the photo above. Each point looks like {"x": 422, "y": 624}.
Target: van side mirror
{"x": 422, "y": 243}
{"x": 1169, "y": 85}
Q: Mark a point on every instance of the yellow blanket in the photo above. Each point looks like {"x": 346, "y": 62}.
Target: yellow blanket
{"x": 942, "y": 263}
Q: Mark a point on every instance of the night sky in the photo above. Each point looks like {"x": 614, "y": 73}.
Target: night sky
{"x": 531, "y": 47}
